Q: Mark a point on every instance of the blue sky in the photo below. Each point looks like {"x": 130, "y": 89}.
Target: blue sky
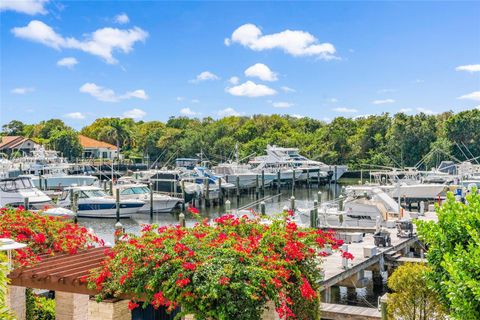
{"x": 80, "y": 60}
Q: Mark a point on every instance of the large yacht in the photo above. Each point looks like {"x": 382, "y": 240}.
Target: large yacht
{"x": 247, "y": 177}
{"x": 291, "y": 158}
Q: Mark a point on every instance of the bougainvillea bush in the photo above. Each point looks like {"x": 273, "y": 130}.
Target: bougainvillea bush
{"x": 228, "y": 269}
{"x": 43, "y": 234}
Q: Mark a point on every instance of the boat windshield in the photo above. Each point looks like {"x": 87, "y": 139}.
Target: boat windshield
{"x": 16, "y": 184}
{"x": 92, "y": 194}
{"x": 135, "y": 190}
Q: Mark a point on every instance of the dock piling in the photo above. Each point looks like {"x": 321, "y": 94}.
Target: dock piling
{"x": 151, "y": 201}
{"x": 256, "y": 186}
{"x": 181, "y": 219}
{"x": 227, "y": 206}
{"x": 117, "y": 203}
{"x": 262, "y": 208}
{"x": 26, "y": 203}
{"x": 263, "y": 183}
{"x": 292, "y": 203}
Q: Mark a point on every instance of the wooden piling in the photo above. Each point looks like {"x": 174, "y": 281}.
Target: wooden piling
{"x": 151, "y": 201}
{"x": 263, "y": 183}
{"x": 263, "y": 208}
{"x": 117, "y": 204}
{"x": 220, "y": 190}
{"x": 256, "y": 186}
{"x": 26, "y": 203}
{"x": 181, "y": 219}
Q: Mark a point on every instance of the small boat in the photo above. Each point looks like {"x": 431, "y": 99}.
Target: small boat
{"x": 93, "y": 202}
{"x": 138, "y": 191}
{"x": 14, "y": 192}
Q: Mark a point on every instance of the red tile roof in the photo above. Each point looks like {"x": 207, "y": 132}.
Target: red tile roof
{"x": 89, "y": 143}
{"x": 10, "y": 142}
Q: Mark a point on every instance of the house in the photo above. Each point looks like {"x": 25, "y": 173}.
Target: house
{"x": 97, "y": 149}
{"x": 11, "y": 144}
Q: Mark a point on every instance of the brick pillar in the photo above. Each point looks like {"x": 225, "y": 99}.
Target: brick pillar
{"x": 16, "y": 301}
{"x": 71, "y": 306}
{"x": 112, "y": 309}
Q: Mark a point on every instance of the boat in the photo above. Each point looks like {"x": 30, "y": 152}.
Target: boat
{"x": 93, "y": 202}
{"x": 247, "y": 177}
{"x": 14, "y": 192}
{"x": 138, "y": 191}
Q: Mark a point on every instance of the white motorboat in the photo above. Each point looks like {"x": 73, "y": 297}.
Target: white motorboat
{"x": 14, "y": 192}
{"x": 93, "y": 202}
{"x": 247, "y": 177}
{"x": 137, "y": 191}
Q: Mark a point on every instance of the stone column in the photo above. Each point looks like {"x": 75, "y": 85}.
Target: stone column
{"x": 16, "y": 301}
{"x": 71, "y": 306}
{"x": 269, "y": 313}
{"x": 112, "y": 309}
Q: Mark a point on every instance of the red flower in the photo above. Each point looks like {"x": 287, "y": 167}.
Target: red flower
{"x": 347, "y": 255}
{"x": 189, "y": 266}
{"x": 132, "y": 305}
{"x": 183, "y": 282}
{"x": 193, "y": 210}
{"x": 307, "y": 291}
{"x": 224, "y": 281}
{"x": 39, "y": 238}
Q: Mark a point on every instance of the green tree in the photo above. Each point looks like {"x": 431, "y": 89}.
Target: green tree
{"x": 66, "y": 142}
{"x": 463, "y": 129}
{"x": 13, "y": 128}
{"x": 411, "y": 299}
{"x": 454, "y": 255}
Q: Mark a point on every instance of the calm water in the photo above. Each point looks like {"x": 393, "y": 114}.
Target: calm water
{"x": 275, "y": 203}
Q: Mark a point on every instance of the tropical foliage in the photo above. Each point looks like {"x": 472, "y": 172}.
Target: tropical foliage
{"x": 398, "y": 140}
{"x": 454, "y": 255}
{"x": 39, "y": 307}
{"x": 4, "y": 312}
{"x": 411, "y": 299}
{"x": 42, "y": 234}
{"x": 226, "y": 270}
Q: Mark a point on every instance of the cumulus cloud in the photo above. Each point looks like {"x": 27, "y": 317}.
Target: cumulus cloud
{"x": 122, "y": 18}
{"x": 102, "y": 42}
{"x": 205, "y": 76}
{"x": 426, "y": 111}
{"x": 288, "y": 89}
{"x": 469, "y": 68}
{"x": 251, "y": 89}
{"x": 383, "y": 101}
{"x": 227, "y": 112}
{"x": 345, "y": 110}
{"x": 68, "y": 62}
{"x": 471, "y": 96}
{"x": 134, "y": 114}
{"x": 188, "y": 112}
{"x": 22, "y": 90}
{"x": 75, "y": 115}
{"x": 261, "y": 71}
{"x": 234, "y": 80}
{"x": 108, "y": 95}
{"x": 294, "y": 42}
{"x": 282, "y": 104}
{"x": 30, "y": 7}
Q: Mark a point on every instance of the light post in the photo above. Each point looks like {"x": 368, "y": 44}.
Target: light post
{"x": 8, "y": 245}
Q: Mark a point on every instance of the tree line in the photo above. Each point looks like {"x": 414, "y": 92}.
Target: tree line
{"x": 398, "y": 140}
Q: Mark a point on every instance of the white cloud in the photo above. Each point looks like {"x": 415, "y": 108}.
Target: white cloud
{"x": 251, "y": 89}
{"x": 294, "y": 42}
{"x": 188, "y": 112}
{"x": 204, "y": 76}
{"x": 134, "y": 114}
{"x": 298, "y": 116}
{"x": 282, "y": 104}
{"x": 68, "y": 62}
{"x": 405, "y": 110}
{"x": 287, "y": 89}
{"x": 102, "y": 42}
{"x": 383, "y": 101}
{"x": 234, "y": 80}
{"x": 261, "y": 71}
{"x": 30, "y": 7}
{"x": 332, "y": 100}
{"x": 471, "y": 96}
{"x": 426, "y": 111}
{"x": 345, "y": 110}
{"x": 227, "y": 112}
{"x": 75, "y": 115}
{"x": 108, "y": 95}
{"x": 469, "y": 68}
{"x": 122, "y": 18}
{"x": 22, "y": 90}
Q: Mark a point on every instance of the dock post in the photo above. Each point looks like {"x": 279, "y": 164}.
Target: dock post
{"x": 72, "y": 200}
{"x": 256, "y": 186}
{"x": 26, "y": 203}
{"x": 183, "y": 194}
{"x": 422, "y": 208}
{"x": 40, "y": 182}
{"x": 181, "y": 219}
{"x": 151, "y": 201}
{"x": 238, "y": 187}
{"x": 308, "y": 178}
{"x": 383, "y": 306}
{"x": 293, "y": 182}
{"x": 220, "y": 191}
{"x": 105, "y": 186}
{"x": 318, "y": 178}
{"x": 263, "y": 183}
{"x": 278, "y": 181}
{"x": 292, "y": 203}
{"x": 361, "y": 176}
{"x": 340, "y": 202}
{"x": 117, "y": 203}
{"x": 45, "y": 184}
{"x": 335, "y": 174}
{"x": 312, "y": 218}
{"x": 262, "y": 208}
{"x": 319, "y": 196}
{"x": 111, "y": 187}
{"x": 207, "y": 193}
{"x": 315, "y": 213}
{"x": 227, "y": 206}
{"x": 75, "y": 206}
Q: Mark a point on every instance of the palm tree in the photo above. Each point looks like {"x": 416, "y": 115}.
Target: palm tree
{"x": 118, "y": 132}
